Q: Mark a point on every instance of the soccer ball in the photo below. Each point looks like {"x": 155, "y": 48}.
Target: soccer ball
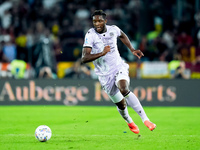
{"x": 43, "y": 133}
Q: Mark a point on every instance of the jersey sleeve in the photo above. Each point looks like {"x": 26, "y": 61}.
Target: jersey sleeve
{"x": 88, "y": 40}
{"x": 118, "y": 30}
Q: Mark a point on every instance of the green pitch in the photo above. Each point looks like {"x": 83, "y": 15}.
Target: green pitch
{"x": 98, "y": 128}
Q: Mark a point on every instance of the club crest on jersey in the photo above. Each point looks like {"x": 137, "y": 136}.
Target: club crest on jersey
{"x": 111, "y": 34}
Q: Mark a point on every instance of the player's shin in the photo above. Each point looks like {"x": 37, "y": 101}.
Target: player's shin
{"x": 133, "y": 101}
{"x": 125, "y": 115}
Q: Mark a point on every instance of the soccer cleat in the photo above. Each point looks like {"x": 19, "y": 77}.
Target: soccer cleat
{"x": 133, "y": 127}
{"x": 150, "y": 125}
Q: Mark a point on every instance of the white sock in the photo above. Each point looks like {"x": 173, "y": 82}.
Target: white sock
{"x": 133, "y": 101}
{"x": 125, "y": 115}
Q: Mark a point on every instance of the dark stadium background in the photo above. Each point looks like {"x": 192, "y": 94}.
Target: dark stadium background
{"x": 41, "y": 40}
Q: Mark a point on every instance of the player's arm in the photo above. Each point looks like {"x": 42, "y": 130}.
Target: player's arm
{"x": 124, "y": 38}
{"x": 88, "y": 57}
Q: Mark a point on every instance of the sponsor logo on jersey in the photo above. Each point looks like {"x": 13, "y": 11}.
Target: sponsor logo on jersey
{"x": 86, "y": 41}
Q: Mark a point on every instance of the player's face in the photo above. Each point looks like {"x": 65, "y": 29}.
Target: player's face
{"x": 99, "y": 23}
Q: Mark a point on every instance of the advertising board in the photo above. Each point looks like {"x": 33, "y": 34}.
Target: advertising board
{"x": 154, "y": 92}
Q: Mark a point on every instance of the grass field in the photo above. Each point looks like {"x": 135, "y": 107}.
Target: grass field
{"x": 98, "y": 128}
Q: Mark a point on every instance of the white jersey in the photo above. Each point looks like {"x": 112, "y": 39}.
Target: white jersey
{"x": 112, "y": 61}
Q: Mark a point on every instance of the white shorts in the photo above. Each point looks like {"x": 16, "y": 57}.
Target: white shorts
{"x": 109, "y": 84}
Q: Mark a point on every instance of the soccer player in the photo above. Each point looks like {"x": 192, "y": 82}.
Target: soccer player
{"x": 100, "y": 46}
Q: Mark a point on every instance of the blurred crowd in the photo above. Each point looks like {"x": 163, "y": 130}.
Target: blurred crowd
{"x": 43, "y": 33}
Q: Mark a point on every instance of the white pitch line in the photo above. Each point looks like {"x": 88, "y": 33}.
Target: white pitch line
{"x": 17, "y": 134}
{"x": 53, "y": 135}
{"x": 186, "y": 135}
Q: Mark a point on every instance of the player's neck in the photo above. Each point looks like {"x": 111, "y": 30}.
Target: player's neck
{"x": 103, "y": 31}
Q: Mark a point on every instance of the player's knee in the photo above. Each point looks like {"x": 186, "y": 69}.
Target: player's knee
{"x": 124, "y": 90}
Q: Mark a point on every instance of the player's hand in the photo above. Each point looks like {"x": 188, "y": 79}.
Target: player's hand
{"x": 138, "y": 53}
{"x": 106, "y": 50}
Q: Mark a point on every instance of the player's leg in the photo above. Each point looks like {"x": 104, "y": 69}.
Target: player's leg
{"x": 122, "y": 82}
{"x": 108, "y": 85}
{"x": 119, "y": 100}
{"x": 132, "y": 99}
{"x": 122, "y": 109}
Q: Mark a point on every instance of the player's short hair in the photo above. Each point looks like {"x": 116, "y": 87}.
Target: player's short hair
{"x": 99, "y": 12}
